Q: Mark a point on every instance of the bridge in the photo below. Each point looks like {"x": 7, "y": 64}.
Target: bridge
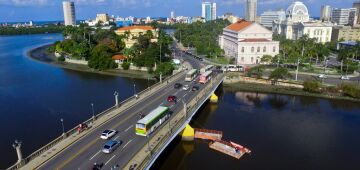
{"x": 74, "y": 150}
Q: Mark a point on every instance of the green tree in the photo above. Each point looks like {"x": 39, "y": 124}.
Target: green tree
{"x": 279, "y": 73}
{"x": 312, "y": 86}
{"x": 101, "y": 58}
{"x": 256, "y": 71}
{"x": 266, "y": 59}
{"x": 165, "y": 68}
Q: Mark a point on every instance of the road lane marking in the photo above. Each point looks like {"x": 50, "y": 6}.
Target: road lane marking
{"x": 116, "y": 137}
{"x": 171, "y": 106}
{"x": 185, "y": 94}
{"x": 128, "y": 128}
{"x": 127, "y": 143}
{"x": 110, "y": 159}
{"x": 95, "y": 155}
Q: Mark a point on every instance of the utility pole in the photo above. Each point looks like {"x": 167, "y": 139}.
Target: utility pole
{"x": 63, "y": 128}
{"x": 341, "y": 67}
{"x": 160, "y": 52}
{"x": 297, "y": 64}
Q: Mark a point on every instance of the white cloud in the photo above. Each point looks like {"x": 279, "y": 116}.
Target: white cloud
{"x": 24, "y": 2}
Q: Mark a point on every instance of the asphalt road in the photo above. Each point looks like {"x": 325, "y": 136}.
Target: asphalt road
{"x": 87, "y": 151}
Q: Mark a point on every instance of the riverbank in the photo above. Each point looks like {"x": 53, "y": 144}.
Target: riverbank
{"x": 40, "y": 54}
{"x": 275, "y": 89}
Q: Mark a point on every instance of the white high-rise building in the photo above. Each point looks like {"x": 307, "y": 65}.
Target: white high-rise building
{"x": 208, "y": 11}
{"x": 357, "y": 15}
{"x": 268, "y": 17}
{"x": 325, "y": 13}
{"x": 172, "y": 14}
{"x": 69, "y": 13}
{"x": 251, "y": 10}
{"x": 343, "y": 16}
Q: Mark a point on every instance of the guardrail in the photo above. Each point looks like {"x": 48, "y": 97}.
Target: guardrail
{"x": 72, "y": 131}
{"x": 179, "y": 120}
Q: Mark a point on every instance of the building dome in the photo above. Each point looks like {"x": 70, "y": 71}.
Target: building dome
{"x": 298, "y": 12}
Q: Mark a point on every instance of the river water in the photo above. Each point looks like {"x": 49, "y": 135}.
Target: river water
{"x": 283, "y": 132}
{"x": 34, "y": 96}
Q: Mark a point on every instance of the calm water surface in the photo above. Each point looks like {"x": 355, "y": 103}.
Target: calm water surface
{"x": 34, "y": 96}
{"x": 283, "y": 132}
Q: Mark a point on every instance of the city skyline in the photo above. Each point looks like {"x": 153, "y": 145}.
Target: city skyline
{"x": 46, "y": 10}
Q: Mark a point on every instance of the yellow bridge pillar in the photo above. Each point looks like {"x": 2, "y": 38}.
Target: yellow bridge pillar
{"x": 188, "y": 133}
{"x": 213, "y": 98}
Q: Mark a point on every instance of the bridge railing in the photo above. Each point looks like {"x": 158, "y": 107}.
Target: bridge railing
{"x": 131, "y": 101}
{"x": 160, "y": 138}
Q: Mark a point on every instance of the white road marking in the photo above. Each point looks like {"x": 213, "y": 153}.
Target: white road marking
{"x": 185, "y": 94}
{"x": 127, "y": 143}
{"x": 128, "y": 128}
{"x": 110, "y": 159}
{"x": 171, "y": 106}
{"x": 95, "y": 155}
{"x": 116, "y": 137}
{"x": 162, "y": 103}
{"x": 176, "y": 93}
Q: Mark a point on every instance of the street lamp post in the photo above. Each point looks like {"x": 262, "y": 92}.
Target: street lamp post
{"x": 148, "y": 141}
{"x": 63, "y": 128}
{"x": 93, "y": 112}
{"x": 116, "y": 94}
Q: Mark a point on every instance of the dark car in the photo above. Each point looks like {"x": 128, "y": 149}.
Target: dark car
{"x": 171, "y": 99}
{"x": 195, "y": 88}
{"x": 177, "y": 85}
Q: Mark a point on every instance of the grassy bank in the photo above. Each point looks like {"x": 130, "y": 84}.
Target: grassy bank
{"x": 253, "y": 87}
{"x": 42, "y": 55}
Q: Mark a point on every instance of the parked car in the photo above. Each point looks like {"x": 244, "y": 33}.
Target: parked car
{"x": 171, "y": 99}
{"x": 110, "y": 146}
{"x": 108, "y": 134}
{"x": 177, "y": 85}
{"x": 186, "y": 87}
{"x": 195, "y": 88}
{"x": 345, "y": 78}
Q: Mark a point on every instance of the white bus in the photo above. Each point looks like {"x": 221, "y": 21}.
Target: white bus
{"x": 150, "y": 122}
{"x": 207, "y": 68}
{"x": 205, "y": 77}
{"x": 191, "y": 75}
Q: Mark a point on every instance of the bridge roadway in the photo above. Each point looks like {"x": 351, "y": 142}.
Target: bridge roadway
{"x": 85, "y": 152}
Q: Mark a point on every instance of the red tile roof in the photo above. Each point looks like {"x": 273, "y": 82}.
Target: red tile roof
{"x": 119, "y": 57}
{"x": 255, "y": 40}
{"x": 239, "y": 25}
{"x": 145, "y": 27}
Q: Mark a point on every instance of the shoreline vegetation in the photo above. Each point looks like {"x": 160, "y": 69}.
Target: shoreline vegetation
{"x": 42, "y": 55}
{"x": 276, "y": 89}
{"x": 31, "y": 30}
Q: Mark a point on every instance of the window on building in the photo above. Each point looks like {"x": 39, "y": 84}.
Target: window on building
{"x": 274, "y": 49}
{"x": 264, "y": 49}
{"x": 252, "y": 49}
{"x": 258, "y": 50}
{"x": 242, "y": 49}
{"x": 242, "y": 59}
{"x": 252, "y": 59}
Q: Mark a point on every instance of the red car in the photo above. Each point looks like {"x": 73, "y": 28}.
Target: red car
{"x": 171, "y": 99}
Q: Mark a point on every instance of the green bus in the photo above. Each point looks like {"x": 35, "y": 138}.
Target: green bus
{"x": 191, "y": 75}
{"x": 150, "y": 122}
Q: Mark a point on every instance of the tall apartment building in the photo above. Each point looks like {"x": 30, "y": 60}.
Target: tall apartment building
{"x": 345, "y": 33}
{"x": 208, "y": 10}
{"x": 268, "y": 17}
{"x": 343, "y": 16}
{"x": 251, "y": 10}
{"x": 69, "y": 13}
{"x": 357, "y": 15}
{"x": 325, "y": 13}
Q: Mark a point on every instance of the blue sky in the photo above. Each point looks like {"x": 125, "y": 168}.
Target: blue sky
{"x": 44, "y": 10}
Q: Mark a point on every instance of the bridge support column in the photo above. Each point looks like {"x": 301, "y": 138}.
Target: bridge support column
{"x": 188, "y": 133}
{"x": 17, "y": 147}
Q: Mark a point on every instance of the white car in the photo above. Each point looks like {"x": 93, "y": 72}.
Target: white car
{"x": 107, "y": 134}
{"x": 345, "y": 78}
{"x": 186, "y": 87}
{"x": 322, "y": 76}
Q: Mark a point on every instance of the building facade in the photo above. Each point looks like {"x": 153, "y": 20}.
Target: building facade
{"x": 345, "y": 33}
{"x": 268, "y": 17}
{"x": 325, "y": 13}
{"x": 298, "y": 24}
{"x": 251, "y": 10}
{"x": 343, "y": 16}
{"x": 132, "y": 32}
{"x": 104, "y": 18}
{"x": 69, "y": 13}
{"x": 247, "y": 42}
{"x": 208, "y": 11}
